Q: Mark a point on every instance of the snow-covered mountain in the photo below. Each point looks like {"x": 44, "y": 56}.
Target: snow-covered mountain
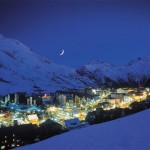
{"x": 139, "y": 70}
{"x": 22, "y": 70}
{"x": 136, "y": 73}
{"x": 128, "y": 133}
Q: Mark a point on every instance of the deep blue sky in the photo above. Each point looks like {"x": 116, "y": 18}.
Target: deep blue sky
{"x": 110, "y": 31}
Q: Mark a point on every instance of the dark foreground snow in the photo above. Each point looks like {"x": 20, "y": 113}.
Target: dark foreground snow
{"x": 131, "y": 133}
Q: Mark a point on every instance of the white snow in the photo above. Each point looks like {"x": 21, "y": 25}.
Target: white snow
{"x": 21, "y": 70}
{"x": 128, "y": 133}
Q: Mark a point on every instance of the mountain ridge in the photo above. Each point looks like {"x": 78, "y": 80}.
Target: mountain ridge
{"x": 22, "y": 70}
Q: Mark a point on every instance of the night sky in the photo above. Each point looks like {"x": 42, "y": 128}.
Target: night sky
{"x": 110, "y": 31}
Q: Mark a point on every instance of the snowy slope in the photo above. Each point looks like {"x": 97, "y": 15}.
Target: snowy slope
{"x": 137, "y": 72}
{"x": 139, "y": 68}
{"x": 22, "y": 70}
{"x": 128, "y": 133}
{"x": 100, "y": 71}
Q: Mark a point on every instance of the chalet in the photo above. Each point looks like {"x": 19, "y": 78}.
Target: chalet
{"x": 72, "y": 123}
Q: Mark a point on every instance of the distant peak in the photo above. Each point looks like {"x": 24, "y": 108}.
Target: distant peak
{"x": 96, "y": 62}
{"x": 99, "y": 62}
{"x": 138, "y": 59}
{"x": 12, "y": 41}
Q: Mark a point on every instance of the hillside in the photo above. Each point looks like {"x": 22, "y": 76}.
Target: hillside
{"x": 135, "y": 73}
{"x": 22, "y": 70}
{"x": 128, "y": 133}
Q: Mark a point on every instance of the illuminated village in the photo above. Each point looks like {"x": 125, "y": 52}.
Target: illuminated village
{"x": 70, "y": 108}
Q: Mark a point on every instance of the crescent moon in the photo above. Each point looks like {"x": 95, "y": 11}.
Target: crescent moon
{"x": 62, "y": 52}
